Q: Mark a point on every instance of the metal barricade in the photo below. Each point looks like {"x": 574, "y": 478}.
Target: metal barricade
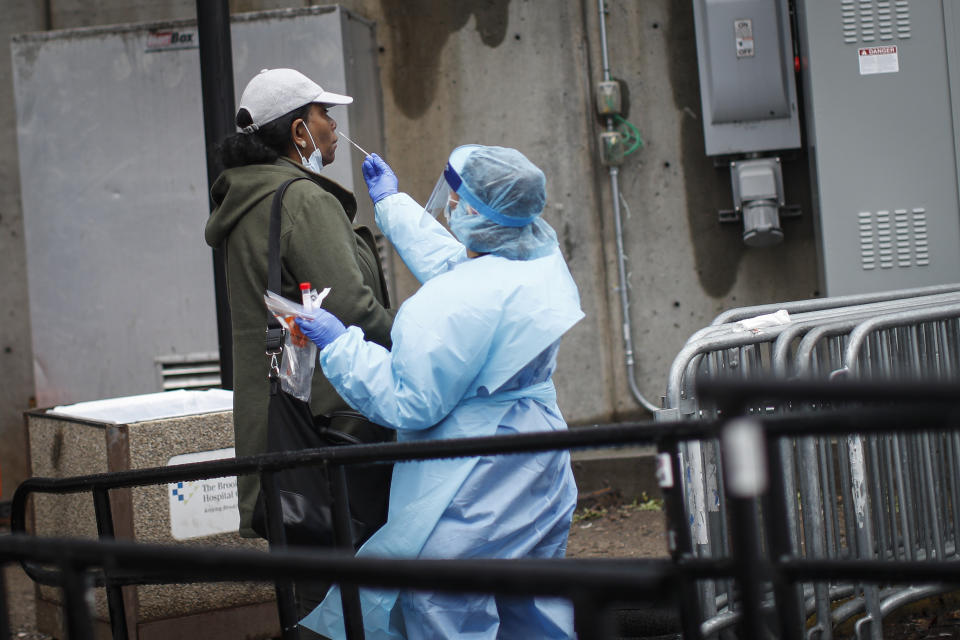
{"x": 762, "y": 570}
{"x": 893, "y": 496}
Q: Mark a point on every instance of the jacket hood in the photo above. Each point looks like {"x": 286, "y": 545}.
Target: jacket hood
{"x": 239, "y": 190}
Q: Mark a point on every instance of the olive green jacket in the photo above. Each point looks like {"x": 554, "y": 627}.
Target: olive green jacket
{"x": 318, "y": 244}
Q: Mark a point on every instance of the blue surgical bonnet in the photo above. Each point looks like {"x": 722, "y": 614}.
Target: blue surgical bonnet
{"x": 514, "y": 188}
{"x": 507, "y": 182}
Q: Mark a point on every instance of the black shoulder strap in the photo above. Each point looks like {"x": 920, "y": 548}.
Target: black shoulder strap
{"x": 274, "y": 275}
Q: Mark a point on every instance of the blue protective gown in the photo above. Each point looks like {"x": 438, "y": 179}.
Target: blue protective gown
{"x": 473, "y": 353}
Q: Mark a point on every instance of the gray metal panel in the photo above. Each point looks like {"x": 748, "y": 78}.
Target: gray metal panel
{"x": 747, "y": 91}
{"x": 951, "y": 26}
{"x": 745, "y": 62}
{"x": 882, "y": 144}
{"x": 114, "y": 189}
{"x": 363, "y": 81}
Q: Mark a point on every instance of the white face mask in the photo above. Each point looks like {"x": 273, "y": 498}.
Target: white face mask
{"x": 315, "y": 161}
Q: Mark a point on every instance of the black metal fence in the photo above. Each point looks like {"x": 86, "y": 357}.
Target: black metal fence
{"x": 761, "y": 566}
{"x": 334, "y": 459}
{"x": 589, "y": 584}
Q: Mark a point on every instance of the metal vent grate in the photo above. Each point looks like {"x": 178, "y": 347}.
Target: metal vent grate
{"x": 898, "y": 239}
{"x": 867, "y": 248}
{"x": 903, "y": 18}
{"x": 866, "y": 21}
{"x": 188, "y": 371}
{"x": 920, "y": 241}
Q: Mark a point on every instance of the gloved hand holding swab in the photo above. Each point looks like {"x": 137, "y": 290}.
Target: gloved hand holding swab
{"x": 380, "y": 179}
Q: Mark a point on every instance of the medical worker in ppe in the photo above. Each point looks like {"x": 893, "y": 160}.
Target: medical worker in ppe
{"x": 473, "y": 354}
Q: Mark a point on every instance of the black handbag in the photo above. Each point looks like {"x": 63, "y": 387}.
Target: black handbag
{"x": 305, "y": 498}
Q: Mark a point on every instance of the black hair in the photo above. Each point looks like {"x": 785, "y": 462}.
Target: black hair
{"x": 264, "y": 145}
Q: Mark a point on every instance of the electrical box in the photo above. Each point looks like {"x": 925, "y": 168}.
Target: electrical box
{"x": 611, "y": 148}
{"x": 747, "y": 88}
{"x": 758, "y": 197}
{"x": 882, "y": 98}
{"x": 114, "y": 183}
{"x": 609, "y": 102}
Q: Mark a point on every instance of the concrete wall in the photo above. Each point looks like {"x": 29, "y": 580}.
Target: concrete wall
{"x": 518, "y": 73}
{"x": 16, "y": 366}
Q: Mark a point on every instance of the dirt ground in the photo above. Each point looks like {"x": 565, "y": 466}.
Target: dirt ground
{"x": 606, "y": 527}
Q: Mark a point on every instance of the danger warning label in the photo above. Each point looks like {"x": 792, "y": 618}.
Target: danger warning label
{"x": 878, "y": 60}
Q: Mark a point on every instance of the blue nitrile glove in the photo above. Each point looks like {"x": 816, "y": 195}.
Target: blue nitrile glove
{"x": 381, "y": 181}
{"x": 324, "y": 330}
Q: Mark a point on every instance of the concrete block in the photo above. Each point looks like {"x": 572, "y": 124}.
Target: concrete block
{"x": 630, "y": 472}
{"x": 63, "y": 446}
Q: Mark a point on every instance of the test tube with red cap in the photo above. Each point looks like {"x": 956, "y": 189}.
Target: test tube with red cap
{"x": 305, "y": 296}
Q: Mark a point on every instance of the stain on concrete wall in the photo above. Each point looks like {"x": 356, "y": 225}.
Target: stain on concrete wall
{"x": 418, "y": 31}
{"x": 706, "y": 187}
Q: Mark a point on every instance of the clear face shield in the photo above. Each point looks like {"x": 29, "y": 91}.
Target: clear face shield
{"x": 445, "y": 195}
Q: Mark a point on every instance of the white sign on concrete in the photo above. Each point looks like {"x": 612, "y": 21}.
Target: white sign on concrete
{"x": 203, "y": 507}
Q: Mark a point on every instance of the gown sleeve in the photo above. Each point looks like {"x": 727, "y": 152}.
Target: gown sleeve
{"x": 423, "y": 244}
{"x": 441, "y": 337}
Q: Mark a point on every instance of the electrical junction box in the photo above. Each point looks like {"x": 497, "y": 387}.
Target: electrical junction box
{"x": 758, "y": 197}
{"x": 611, "y": 148}
{"x": 747, "y": 88}
{"x": 882, "y": 106}
{"x": 609, "y": 102}
{"x": 114, "y": 190}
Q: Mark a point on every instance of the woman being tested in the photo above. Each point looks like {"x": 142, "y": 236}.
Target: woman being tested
{"x": 286, "y": 131}
{"x": 473, "y": 354}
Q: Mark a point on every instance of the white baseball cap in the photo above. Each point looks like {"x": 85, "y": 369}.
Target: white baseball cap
{"x": 275, "y": 92}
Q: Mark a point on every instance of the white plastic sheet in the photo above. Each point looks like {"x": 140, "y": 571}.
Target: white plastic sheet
{"x": 150, "y": 406}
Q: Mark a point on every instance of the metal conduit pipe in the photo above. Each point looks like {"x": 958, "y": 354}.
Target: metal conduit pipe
{"x": 618, "y": 229}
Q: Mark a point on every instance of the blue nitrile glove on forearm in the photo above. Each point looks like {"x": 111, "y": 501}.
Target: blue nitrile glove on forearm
{"x": 381, "y": 181}
{"x": 324, "y": 330}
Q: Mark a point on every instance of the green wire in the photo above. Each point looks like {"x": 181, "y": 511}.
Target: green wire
{"x": 633, "y": 134}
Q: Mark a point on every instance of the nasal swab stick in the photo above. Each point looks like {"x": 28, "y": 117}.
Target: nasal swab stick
{"x": 359, "y": 148}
